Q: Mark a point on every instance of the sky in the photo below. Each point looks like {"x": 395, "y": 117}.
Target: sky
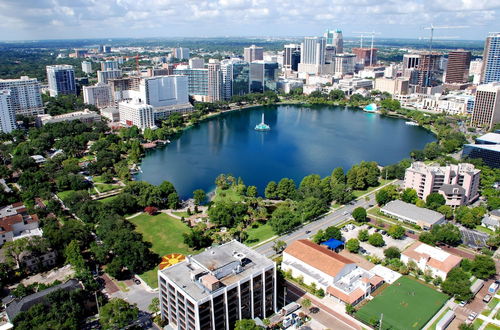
{"x": 62, "y": 19}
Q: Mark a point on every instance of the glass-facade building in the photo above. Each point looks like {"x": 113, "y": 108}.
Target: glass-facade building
{"x": 235, "y": 78}
{"x": 197, "y": 80}
{"x": 263, "y": 76}
{"x": 61, "y": 80}
{"x": 491, "y": 59}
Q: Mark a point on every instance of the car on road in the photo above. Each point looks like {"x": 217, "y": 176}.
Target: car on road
{"x": 487, "y": 298}
{"x": 345, "y": 213}
{"x": 137, "y": 281}
{"x": 472, "y": 316}
{"x": 411, "y": 232}
{"x": 308, "y": 231}
{"x": 462, "y": 303}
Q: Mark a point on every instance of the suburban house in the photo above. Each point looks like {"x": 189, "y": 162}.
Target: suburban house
{"x": 492, "y": 220}
{"x": 337, "y": 275}
{"x": 430, "y": 258}
{"x": 15, "y": 223}
{"x": 410, "y": 213}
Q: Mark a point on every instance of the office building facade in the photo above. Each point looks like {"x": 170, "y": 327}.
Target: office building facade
{"x": 490, "y": 71}
{"x": 196, "y": 63}
{"x": 345, "y": 63}
{"x": 312, "y": 55}
{"x": 335, "y": 38}
{"x": 7, "y": 113}
{"x": 25, "y": 95}
{"x": 216, "y": 288}
{"x": 457, "y": 69}
{"x": 263, "y": 76}
{"x": 365, "y": 56}
{"x": 487, "y": 148}
{"x": 109, "y": 65}
{"x": 197, "y": 81}
{"x": 253, "y": 53}
{"x": 61, "y": 80}
{"x": 486, "y": 111}
{"x": 181, "y": 53}
{"x": 99, "y": 95}
{"x": 235, "y": 78}
{"x": 104, "y": 76}
{"x": 291, "y": 57}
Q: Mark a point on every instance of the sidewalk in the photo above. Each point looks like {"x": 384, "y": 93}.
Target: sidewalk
{"x": 490, "y": 319}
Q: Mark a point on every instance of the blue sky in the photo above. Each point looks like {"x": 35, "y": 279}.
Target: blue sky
{"x": 54, "y": 19}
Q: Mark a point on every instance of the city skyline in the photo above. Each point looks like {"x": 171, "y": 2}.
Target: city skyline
{"x": 59, "y": 19}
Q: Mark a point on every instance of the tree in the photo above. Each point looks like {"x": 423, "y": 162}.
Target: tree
{"x": 376, "y": 239}
{"x": 465, "y": 326}
{"x": 333, "y": 232}
{"x": 409, "y": 195}
{"x": 392, "y": 253}
{"x": 483, "y": 267}
{"x": 154, "y": 307}
{"x": 117, "y": 313}
{"x": 286, "y": 189}
{"x": 447, "y": 234}
{"x": 271, "y": 190}
{"x": 246, "y": 324}
{"x": 306, "y": 303}
{"x": 434, "y": 201}
{"x": 446, "y": 210}
{"x": 73, "y": 255}
{"x": 352, "y": 245}
{"x": 251, "y": 191}
{"x": 396, "y": 231}
{"x": 199, "y": 196}
{"x": 311, "y": 207}
{"x": 359, "y": 214}
{"x": 283, "y": 219}
{"x": 350, "y": 309}
{"x": 14, "y": 249}
{"x": 457, "y": 284}
{"x": 363, "y": 235}
{"x": 279, "y": 246}
{"x": 341, "y": 193}
{"x": 151, "y": 210}
{"x": 386, "y": 194}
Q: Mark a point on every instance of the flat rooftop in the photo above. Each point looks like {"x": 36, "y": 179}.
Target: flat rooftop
{"x": 229, "y": 263}
{"x": 492, "y": 138}
{"x": 410, "y": 211}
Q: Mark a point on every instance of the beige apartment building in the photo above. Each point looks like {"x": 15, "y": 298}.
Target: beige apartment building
{"x": 486, "y": 112}
{"x": 458, "y": 184}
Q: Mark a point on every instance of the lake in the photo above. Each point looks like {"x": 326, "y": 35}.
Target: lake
{"x": 302, "y": 140}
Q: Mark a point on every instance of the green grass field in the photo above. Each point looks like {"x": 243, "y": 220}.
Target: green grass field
{"x": 105, "y": 187}
{"x": 64, "y": 194}
{"x": 165, "y": 233}
{"x": 406, "y": 304}
{"x": 228, "y": 194}
{"x": 259, "y": 234}
{"x": 357, "y": 193}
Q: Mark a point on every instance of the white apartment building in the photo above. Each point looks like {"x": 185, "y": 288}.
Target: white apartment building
{"x": 7, "y": 114}
{"x": 181, "y": 53}
{"x": 214, "y": 81}
{"x": 459, "y": 184}
{"x": 215, "y": 288}
{"x": 430, "y": 259}
{"x": 16, "y": 222}
{"x": 25, "y": 95}
{"x": 196, "y": 63}
{"x": 99, "y": 95}
{"x": 136, "y": 113}
{"x": 87, "y": 67}
{"x": 104, "y": 76}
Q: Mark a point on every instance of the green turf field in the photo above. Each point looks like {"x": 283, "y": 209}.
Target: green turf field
{"x": 406, "y": 304}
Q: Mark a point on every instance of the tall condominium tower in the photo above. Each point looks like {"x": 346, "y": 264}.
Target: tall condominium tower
{"x": 7, "y": 114}
{"x": 61, "y": 79}
{"x": 334, "y": 38}
{"x": 291, "y": 57}
{"x": 87, "y": 67}
{"x": 109, "y": 65}
{"x": 457, "y": 70}
{"x": 235, "y": 78}
{"x": 99, "y": 95}
{"x": 253, "y": 53}
{"x": 214, "y": 81}
{"x": 491, "y": 59}
{"x": 104, "y": 76}
{"x": 215, "y": 288}
{"x": 24, "y": 95}
{"x": 486, "y": 111}
{"x": 181, "y": 53}
{"x": 312, "y": 55}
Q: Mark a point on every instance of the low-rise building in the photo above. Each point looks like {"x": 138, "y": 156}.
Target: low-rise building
{"x": 410, "y": 213}
{"x": 492, "y": 220}
{"x": 430, "y": 259}
{"x": 111, "y": 113}
{"x": 85, "y": 116}
{"x": 337, "y": 275}
{"x": 487, "y": 148}
{"x": 215, "y": 288}
{"x": 16, "y": 222}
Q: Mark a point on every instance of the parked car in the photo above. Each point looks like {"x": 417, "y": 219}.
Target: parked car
{"x": 462, "y": 303}
{"x": 472, "y": 316}
{"x": 411, "y": 232}
{"x": 487, "y": 298}
{"x": 137, "y": 281}
{"x": 383, "y": 232}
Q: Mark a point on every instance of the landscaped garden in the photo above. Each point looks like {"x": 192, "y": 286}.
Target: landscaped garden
{"x": 406, "y": 304}
{"x": 258, "y": 233}
{"x": 165, "y": 234}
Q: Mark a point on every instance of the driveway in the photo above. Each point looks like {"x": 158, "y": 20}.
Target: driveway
{"x": 401, "y": 244}
{"x": 136, "y": 294}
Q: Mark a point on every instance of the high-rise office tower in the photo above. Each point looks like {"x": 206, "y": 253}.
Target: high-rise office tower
{"x": 345, "y": 63}
{"x": 338, "y": 41}
{"x": 214, "y": 81}
{"x": 491, "y": 59}
{"x": 457, "y": 70}
{"x": 104, "y": 76}
{"x": 312, "y": 55}
{"x": 215, "y": 288}
{"x": 87, "y": 67}
{"x": 109, "y": 65}
{"x": 181, "y": 53}
{"x": 253, "y": 53}
{"x": 99, "y": 95}
{"x": 263, "y": 76}
{"x": 61, "y": 79}
{"x": 197, "y": 81}
{"x": 486, "y": 111}
{"x": 7, "y": 113}
{"x": 291, "y": 57}
{"x": 365, "y": 56}
{"x": 235, "y": 78}
{"x": 106, "y": 49}
{"x": 24, "y": 95}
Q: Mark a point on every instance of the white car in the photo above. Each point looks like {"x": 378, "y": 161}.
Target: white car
{"x": 345, "y": 213}
{"x": 462, "y": 303}
{"x": 472, "y": 316}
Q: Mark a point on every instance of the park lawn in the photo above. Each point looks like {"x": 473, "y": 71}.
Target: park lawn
{"x": 262, "y": 232}
{"x": 492, "y": 326}
{"x": 406, "y": 304}
{"x": 477, "y": 323}
{"x": 165, "y": 235}
{"x": 105, "y": 187}
{"x": 64, "y": 194}
{"x": 108, "y": 199}
{"x": 227, "y": 195}
{"x": 358, "y": 193}
{"x": 484, "y": 229}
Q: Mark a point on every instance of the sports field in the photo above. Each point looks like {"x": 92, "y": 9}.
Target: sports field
{"x": 406, "y": 304}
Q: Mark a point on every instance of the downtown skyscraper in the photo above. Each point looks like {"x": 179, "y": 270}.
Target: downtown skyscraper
{"x": 491, "y": 59}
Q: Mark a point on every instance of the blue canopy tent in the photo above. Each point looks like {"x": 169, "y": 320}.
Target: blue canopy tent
{"x": 333, "y": 244}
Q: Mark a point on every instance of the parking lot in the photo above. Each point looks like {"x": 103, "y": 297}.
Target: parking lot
{"x": 473, "y": 239}
{"x": 401, "y": 244}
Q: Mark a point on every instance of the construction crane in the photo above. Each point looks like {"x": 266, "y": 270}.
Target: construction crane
{"x": 431, "y": 38}
{"x": 367, "y": 34}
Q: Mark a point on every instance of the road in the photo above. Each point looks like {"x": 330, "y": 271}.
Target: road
{"x": 334, "y": 218}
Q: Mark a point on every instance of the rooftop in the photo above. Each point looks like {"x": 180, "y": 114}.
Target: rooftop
{"x": 434, "y": 256}
{"x": 410, "y": 211}
{"x": 491, "y": 147}
{"x": 491, "y": 138}
{"x": 227, "y": 264}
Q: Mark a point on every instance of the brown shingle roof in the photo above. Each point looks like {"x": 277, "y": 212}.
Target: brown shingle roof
{"x": 318, "y": 257}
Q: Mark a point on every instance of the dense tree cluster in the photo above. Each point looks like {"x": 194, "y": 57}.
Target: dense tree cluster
{"x": 447, "y": 234}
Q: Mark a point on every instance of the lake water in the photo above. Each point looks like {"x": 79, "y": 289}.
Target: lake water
{"x": 302, "y": 140}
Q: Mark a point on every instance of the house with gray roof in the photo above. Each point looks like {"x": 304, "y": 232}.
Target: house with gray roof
{"x": 413, "y": 214}
{"x": 492, "y": 220}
